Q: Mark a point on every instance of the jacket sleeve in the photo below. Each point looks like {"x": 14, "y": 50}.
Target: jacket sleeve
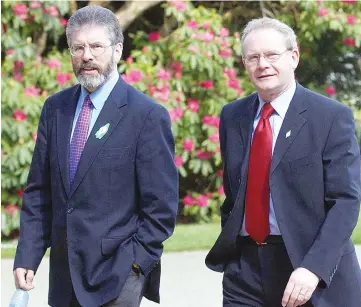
{"x": 341, "y": 160}
{"x": 228, "y": 202}
{"x": 158, "y": 188}
{"x": 35, "y": 218}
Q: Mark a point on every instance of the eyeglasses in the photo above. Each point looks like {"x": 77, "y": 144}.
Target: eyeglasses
{"x": 95, "y": 49}
{"x": 270, "y": 57}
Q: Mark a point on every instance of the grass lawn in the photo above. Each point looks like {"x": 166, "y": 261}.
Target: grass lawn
{"x": 193, "y": 237}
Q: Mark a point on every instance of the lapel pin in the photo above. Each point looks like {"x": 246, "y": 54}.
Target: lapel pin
{"x": 288, "y": 134}
{"x": 102, "y": 131}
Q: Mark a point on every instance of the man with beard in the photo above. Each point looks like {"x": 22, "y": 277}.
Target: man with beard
{"x": 292, "y": 185}
{"x": 102, "y": 190}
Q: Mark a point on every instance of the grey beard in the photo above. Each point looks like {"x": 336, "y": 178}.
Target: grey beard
{"x": 93, "y": 82}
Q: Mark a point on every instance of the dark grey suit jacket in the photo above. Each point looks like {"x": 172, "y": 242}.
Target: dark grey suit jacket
{"x": 121, "y": 207}
{"x": 315, "y": 188}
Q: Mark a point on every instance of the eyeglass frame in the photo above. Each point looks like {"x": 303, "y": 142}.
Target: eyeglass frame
{"x": 84, "y": 46}
{"x": 279, "y": 55}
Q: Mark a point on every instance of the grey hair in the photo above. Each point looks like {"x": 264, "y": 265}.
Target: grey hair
{"x": 270, "y": 23}
{"x": 95, "y": 15}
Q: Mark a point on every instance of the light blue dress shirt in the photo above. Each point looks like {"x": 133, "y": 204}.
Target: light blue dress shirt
{"x": 98, "y": 98}
{"x": 280, "y": 105}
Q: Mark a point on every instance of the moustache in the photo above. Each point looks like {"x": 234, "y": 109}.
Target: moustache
{"x": 89, "y": 66}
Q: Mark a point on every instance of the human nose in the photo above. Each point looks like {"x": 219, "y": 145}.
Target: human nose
{"x": 262, "y": 62}
{"x": 87, "y": 54}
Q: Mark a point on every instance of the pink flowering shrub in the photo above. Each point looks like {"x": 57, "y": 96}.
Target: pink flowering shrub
{"x": 193, "y": 71}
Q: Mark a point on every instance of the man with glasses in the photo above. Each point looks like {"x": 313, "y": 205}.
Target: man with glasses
{"x": 292, "y": 184}
{"x": 103, "y": 187}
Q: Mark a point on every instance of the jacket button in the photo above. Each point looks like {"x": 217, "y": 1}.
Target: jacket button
{"x": 70, "y": 210}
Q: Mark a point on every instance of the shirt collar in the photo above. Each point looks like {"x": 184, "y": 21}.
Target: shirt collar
{"x": 281, "y": 103}
{"x": 100, "y": 95}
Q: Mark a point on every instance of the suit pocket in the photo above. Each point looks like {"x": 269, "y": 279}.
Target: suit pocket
{"x": 305, "y": 162}
{"x": 111, "y": 244}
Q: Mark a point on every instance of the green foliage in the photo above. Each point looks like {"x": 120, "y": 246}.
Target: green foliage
{"x": 193, "y": 69}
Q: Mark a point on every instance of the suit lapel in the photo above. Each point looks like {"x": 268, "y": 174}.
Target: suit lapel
{"x": 65, "y": 119}
{"x": 246, "y": 120}
{"x": 111, "y": 114}
{"x": 291, "y": 125}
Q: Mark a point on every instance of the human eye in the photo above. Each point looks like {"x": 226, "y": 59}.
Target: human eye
{"x": 96, "y": 46}
{"x": 271, "y": 55}
{"x": 77, "y": 48}
{"x": 253, "y": 58}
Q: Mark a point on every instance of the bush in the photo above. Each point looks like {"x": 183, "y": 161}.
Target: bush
{"x": 193, "y": 70}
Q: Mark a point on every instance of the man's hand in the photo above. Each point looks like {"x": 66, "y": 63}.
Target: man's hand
{"x": 24, "y": 279}
{"x": 301, "y": 285}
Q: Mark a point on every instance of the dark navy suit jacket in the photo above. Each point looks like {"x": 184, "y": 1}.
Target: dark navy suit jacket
{"x": 315, "y": 188}
{"x": 121, "y": 207}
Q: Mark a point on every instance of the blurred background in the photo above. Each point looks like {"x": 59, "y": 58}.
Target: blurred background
{"x": 186, "y": 55}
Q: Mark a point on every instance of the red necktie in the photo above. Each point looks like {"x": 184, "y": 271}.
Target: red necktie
{"x": 258, "y": 190}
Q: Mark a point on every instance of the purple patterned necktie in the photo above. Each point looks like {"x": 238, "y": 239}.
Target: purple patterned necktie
{"x": 80, "y": 136}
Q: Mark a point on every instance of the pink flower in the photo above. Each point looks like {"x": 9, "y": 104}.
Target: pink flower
{"x": 210, "y": 120}
{"x": 206, "y": 25}
{"x": 63, "y": 77}
{"x": 351, "y": 19}
{"x": 221, "y": 190}
{"x": 18, "y": 76}
{"x": 233, "y": 83}
{"x": 322, "y": 12}
{"x": 207, "y": 84}
{"x": 179, "y": 5}
{"x": 219, "y": 173}
{"x": 202, "y": 155}
{"x": 53, "y": 11}
{"x": 208, "y": 36}
{"x": 224, "y": 32}
{"x": 349, "y": 1}
{"x": 154, "y": 36}
{"x": 11, "y": 209}
{"x": 9, "y": 51}
{"x": 134, "y": 75}
{"x": 18, "y": 65}
{"x": 176, "y": 66}
{"x": 19, "y": 115}
{"x": 162, "y": 96}
{"x": 192, "y": 24}
{"x": 230, "y": 73}
{"x": 237, "y": 35}
{"x": 21, "y": 10}
{"x": 176, "y": 114}
{"x": 330, "y": 90}
{"x": 225, "y": 53}
{"x": 188, "y": 200}
{"x": 214, "y": 137}
{"x": 188, "y": 145}
{"x": 20, "y": 193}
{"x": 178, "y": 161}
{"x": 35, "y": 5}
{"x": 178, "y": 75}
{"x": 129, "y": 60}
{"x": 202, "y": 201}
{"x": 63, "y": 22}
{"x": 194, "y": 49}
{"x": 164, "y": 75}
{"x": 31, "y": 91}
{"x": 193, "y": 104}
{"x": 144, "y": 49}
{"x": 349, "y": 41}
{"x": 54, "y": 63}
{"x": 34, "y": 135}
